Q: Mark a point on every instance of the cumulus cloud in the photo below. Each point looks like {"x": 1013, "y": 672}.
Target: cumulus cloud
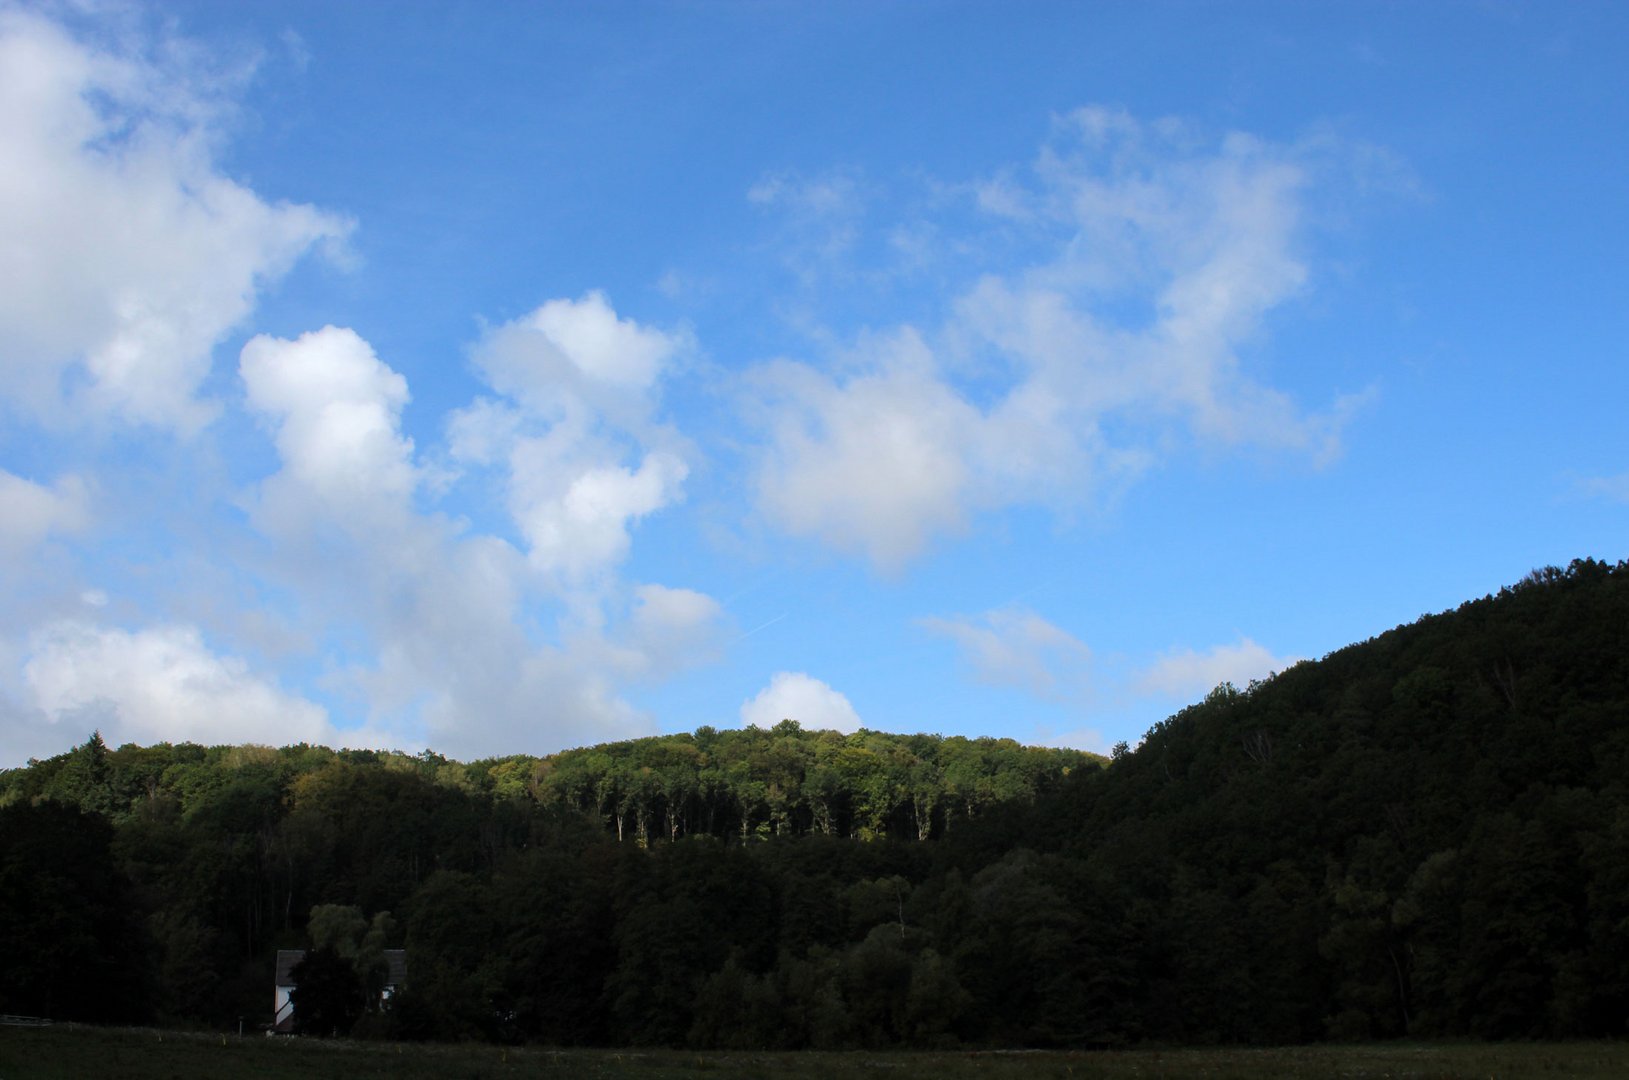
{"x": 481, "y": 685}
{"x": 672, "y": 628}
{"x": 586, "y": 459}
{"x": 576, "y": 509}
{"x": 335, "y": 409}
{"x": 30, "y": 512}
{"x": 457, "y": 662}
{"x": 127, "y": 254}
{"x": 551, "y": 700}
{"x": 1154, "y": 256}
{"x": 1016, "y": 647}
{"x": 1189, "y": 674}
{"x": 427, "y": 623}
{"x": 160, "y": 683}
{"x": 568, "y": 354}
{"x": 793, "y": 695}
{"x": 482, "y": 432}
{"x": 874, "y": 465}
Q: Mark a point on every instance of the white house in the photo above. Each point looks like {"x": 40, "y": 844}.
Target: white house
{"x": 288, "y": 959}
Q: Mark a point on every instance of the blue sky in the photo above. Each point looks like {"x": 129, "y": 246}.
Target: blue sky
{"x": 502, "y": 378}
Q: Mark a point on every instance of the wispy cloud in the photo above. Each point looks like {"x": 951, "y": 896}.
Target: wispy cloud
{"x": 31, "y": 512}
{"x": 1016, "y": 647}
{"x": 1187, "y": 674}
{"x": 1615, "y": 488}
{"x": 1157, "y": 252}
{"x": 818, "y": 219}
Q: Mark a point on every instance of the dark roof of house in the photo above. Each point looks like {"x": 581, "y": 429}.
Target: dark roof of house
{"x": 286, "y": 959}
{"x": 395, "y": 960}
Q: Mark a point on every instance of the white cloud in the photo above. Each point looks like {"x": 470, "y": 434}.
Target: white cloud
{"x": 793, "y": 695}
{"x": 160, "y": 683}
{"x": 127, "y": 255}
{"x": 482, "y": 432}
{"x": 1190, "y": 674}
{"x": 1615, "y": 488}
{"x": 529, "y": 698}
{"x": 1203, "y": 241}
{"x": 335, "y": 409}
{"x": 875, "y": 465}
{"x": 661, "y": 609}
{"x": 30, "y": 512}
{"x": 1089, "y": 739}
{"x": 571, "y": 354}
{"x": 672, "y": 628}
{"x": 576, "y": 512}
{"x": 1016, "y": 647}
{"x": 454, "y": 659}
{"x": 831, "y": 194}
{"x": 586, "y": 460}
{"x": 1156, "y": 256}
{"x": 819, "y": 218}
{"x": 432, "y": 627}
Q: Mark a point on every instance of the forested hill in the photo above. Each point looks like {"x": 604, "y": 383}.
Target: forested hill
{"x": 785, "y": 781}
{"x": 1426, "y": 834}
{"x": 748, "y": 784}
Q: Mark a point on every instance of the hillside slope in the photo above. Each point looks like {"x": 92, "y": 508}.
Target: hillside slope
{"x": 1426, "y": 833}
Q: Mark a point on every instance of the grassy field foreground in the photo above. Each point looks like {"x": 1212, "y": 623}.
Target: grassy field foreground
{"x": 72, "y": 1052}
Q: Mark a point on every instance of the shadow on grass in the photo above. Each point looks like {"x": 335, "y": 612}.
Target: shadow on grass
{"x": 74, "y": 1052}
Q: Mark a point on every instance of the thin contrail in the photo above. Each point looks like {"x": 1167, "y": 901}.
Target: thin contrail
{"x": 762, "y": 626}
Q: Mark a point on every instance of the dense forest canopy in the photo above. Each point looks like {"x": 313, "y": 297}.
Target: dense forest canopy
{"x": 1426, "y": 833}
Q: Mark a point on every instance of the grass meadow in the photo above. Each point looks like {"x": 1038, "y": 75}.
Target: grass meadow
{"x": 74, "y": 1052}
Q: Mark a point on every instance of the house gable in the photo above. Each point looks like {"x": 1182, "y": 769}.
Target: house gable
{"x": 283, "y": 984}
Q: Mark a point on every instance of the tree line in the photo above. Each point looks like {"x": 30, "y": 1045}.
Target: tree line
{"x": 208, "y": 859}
{"x": 784, "y": 782}
{"x": 1424, "y": 834}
